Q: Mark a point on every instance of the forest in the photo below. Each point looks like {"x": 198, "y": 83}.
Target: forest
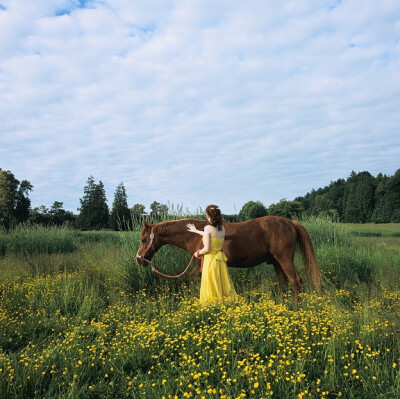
{"x": 361, "y": 198}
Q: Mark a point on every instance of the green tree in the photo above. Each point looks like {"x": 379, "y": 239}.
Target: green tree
{"x": 14, "y": 201}
{"x": 383, "y": 209}
{"x": 335, "y": 195}
{"x": 394, "y": 197}
{"x": 321, "y": 204}
{"x": 56, "y": 215}
{"x": 158, "y": 211}
{"x": 8, "y": 192}
{"x": 120, "y": 217}
{"x": 59, "y": 216}
{"x": 39, "y": 215}
{"x": 137, "y": 214}
{"x": 358, "y": 198}
{"x": 94, "y": 213}
{"x": 287, "y": 209}
{"x": 23, "y": 202}
{"x": 252, "y": 210}
{"x": 327, "y": 201}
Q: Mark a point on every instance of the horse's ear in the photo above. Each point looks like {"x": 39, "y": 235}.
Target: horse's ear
{"x": 145, "y": 224}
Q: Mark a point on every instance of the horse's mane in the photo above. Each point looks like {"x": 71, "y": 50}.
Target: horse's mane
{"x": 161, "y": 226}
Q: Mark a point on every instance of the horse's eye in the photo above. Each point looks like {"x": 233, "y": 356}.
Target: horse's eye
{"x": 143, "y": 240}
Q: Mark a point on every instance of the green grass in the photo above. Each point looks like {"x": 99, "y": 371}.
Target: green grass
{"x": 91, "y": 323}
{"x": 33, "y": 240}
{"x": 373, "y": 230}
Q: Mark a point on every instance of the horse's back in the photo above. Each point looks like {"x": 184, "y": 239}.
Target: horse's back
{"x": 252, "y": 242}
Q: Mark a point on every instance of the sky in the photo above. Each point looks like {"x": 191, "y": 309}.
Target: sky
{"x": 197, "y": 102}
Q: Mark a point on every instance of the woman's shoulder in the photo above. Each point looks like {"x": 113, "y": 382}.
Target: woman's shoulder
{"x": 214, "y": 232}
{"x": 209, "y": 229}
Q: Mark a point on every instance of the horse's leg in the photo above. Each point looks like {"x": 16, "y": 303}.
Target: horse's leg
{"x": 287, "y": 266}
{"x": 282, "y": 278}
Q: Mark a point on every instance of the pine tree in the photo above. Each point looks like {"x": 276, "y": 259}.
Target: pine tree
{"x": 94, "y": 212}
{"x": 120, "y": 218}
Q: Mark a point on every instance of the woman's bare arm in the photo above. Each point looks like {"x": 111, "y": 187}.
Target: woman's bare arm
{"x": 207, "y": 241}
{"x": 192, "y": 228}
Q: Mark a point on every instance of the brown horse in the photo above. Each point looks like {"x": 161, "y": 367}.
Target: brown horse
{"x": 270, "y": 239}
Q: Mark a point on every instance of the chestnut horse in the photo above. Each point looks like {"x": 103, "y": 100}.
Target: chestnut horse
{"x": 270, "y": 239}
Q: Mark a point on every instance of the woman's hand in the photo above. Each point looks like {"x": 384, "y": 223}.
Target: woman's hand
{"x": 191, "y": 227}
{"x": 197, "y": 254}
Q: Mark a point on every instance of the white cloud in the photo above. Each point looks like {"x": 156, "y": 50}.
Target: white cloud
{"x": 197, "y": 102}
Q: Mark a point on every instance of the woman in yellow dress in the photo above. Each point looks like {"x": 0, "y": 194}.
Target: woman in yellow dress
{"x": 215, "y": 280}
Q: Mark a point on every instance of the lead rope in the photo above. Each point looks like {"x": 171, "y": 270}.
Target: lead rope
{"x": 178, "y": 275}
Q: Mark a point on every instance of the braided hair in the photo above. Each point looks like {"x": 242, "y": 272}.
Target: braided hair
{"x": 215, "y": 215}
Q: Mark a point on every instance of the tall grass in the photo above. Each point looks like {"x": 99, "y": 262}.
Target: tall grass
{"x": 325, "y": 232}
{"x": 343, "y": 263}
{"x": 373, "y": 230}
{"x": 99, "y": 236}
{"x": 168, "y": 260}
{"x": 30, "y": 240}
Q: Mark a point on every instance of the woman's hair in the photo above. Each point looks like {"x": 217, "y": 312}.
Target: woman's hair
{"x": 215, "y": 215}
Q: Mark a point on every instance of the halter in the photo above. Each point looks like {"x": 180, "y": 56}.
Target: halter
{"x": 150, "y": 261}
{"x": 147, "y": 248}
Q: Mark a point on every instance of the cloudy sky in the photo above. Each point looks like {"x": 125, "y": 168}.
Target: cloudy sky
{"x": 191, "y": 102}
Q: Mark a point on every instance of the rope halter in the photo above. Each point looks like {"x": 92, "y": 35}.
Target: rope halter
{"x": 143, "y": 257}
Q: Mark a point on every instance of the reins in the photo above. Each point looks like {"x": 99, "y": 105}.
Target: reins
{"x": 178, "y": 275}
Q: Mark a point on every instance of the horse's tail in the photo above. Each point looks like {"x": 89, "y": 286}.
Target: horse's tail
{"x": 307, "y": 251}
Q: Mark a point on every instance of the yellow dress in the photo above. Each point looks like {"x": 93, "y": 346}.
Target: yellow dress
{"x": 215, "y": 280}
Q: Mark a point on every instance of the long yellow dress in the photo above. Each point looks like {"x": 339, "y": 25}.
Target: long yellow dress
{"x": 215, "y": 280}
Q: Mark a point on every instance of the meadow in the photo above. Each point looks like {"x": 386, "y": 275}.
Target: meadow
{"x": 79, "y": 319}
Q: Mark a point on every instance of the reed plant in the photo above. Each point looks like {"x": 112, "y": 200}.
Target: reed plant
{"x": 109, "y": 237}
{"x": 325, "y": 232}
{"x": 30, "y": 240}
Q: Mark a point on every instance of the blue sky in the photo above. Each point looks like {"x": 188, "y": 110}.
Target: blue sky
{"x": 197, "y": 102}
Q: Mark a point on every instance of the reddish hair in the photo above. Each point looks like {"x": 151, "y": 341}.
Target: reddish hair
{"x": 215, "y": 215}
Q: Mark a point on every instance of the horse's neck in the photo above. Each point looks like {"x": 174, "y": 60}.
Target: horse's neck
{"x": 178, "y": 235}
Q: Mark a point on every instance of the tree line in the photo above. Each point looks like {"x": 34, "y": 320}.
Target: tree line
{"x": 360, "y": 198}
{"x": 93, "y": 213}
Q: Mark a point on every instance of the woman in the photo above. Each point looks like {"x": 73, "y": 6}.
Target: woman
{"x": 215, "y": 280}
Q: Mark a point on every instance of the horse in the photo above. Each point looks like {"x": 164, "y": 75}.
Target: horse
{"x": 270, "y": 239}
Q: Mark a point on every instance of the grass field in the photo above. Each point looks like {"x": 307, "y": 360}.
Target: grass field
{"x": 79, "y": 319}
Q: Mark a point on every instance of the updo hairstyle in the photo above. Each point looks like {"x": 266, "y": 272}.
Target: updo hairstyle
{"x": 215, "y": 215}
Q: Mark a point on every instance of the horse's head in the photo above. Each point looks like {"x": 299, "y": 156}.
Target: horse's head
{"x": 149, "y": 244}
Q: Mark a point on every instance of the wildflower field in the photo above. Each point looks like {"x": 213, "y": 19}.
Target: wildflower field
{"x": 79, "y": 319}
